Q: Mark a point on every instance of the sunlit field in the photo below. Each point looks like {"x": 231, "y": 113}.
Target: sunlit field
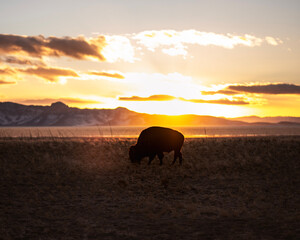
{"x": 86, "y": 188}
{"x": 134, "y": 131}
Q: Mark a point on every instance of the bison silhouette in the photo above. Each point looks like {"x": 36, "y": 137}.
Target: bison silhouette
{"x": 155, "y": 141}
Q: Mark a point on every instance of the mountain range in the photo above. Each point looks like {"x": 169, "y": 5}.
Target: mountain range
{"x": 59, "y": 114}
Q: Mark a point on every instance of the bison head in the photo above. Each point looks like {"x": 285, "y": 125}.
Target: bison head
{"x": 134, "y": 154}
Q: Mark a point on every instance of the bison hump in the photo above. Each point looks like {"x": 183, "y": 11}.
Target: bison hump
{"x": 160, "y": 135}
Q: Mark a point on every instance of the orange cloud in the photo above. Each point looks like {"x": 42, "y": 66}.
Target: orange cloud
{"x": 219, "y": 101}
{"x": 106, "y": 74}
{"x": 50, "y": 74}
{"x": 3, "y": 82}
{"x": 8, "y": 74}
{"x": 150, "y": 98}
{"x": 7, "y": 71}
{"x": 224, "y": 91}
{"x": 226, "y": 101}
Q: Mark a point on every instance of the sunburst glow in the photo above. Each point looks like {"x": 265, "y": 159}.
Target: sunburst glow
{"x": 142, "y": 57}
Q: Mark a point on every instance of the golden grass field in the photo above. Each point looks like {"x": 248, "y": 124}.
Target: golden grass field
{"x": 86, "y": 188}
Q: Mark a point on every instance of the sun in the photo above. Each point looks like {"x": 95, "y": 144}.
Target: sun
{"x": 179, "y": 107}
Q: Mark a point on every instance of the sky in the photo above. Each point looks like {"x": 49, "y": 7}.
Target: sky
{"x": 228, "y": 58}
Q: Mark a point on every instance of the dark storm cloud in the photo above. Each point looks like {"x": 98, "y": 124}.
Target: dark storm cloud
{"x": 50, "y": 74}
{"x": 39, "y": 46}
{"x": 106, "y": 74}
{"x": 267, "y": 89}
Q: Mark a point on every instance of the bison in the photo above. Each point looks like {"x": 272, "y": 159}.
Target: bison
{"x": 155, "y": 141}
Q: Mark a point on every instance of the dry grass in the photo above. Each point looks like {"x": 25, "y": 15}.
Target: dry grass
{"x": 227, "y": 188}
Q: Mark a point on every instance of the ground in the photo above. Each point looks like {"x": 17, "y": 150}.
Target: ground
{"x": 72, "y": 188}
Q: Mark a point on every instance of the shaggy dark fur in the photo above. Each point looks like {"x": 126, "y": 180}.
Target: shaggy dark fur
{"x": 155, "y": 141}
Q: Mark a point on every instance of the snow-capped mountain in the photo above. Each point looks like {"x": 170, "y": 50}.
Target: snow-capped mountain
{"x": 59, "y": 114}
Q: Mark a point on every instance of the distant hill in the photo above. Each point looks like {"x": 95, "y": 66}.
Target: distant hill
{"x": 255, "y": 119}
{"x": 59, "y": 114}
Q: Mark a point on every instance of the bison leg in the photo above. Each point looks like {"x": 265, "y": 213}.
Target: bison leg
{"x": 160, "y": 156}
{"x": 151, "y": 157}
{"x": 176, "y": 155}
{"x": 180, "y": 158}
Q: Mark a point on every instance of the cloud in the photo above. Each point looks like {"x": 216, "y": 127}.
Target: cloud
{"x": 39, "y": 46}
{"x": 114, "y": 48}
{"x": 175, "y": 51}
{"x": 7, "y": 71}
{"x": 176, "y": 42}
{"x": 150, "y": 98}
{"x": 15, "y": 43}
{"x": 106, "y": 74}
{"x": 78, "y": 48}
{"x": 219, "y": 101}
{"x": 280, "y": 88}
{"x": 3, "y": 82}
{"x": 224, "y": 91}
{"x": 8, "y": 75}
{"x": 47, "y": 101}
{"x": 272, "y": 41}
{"x": 226, "y": 101}
{"x": 21, "y": 61}
{"x": 50, "y": 74}
{"x": 118, "y": 48}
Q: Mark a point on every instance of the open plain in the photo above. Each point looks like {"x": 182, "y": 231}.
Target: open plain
{"x": 86, "y": 188}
